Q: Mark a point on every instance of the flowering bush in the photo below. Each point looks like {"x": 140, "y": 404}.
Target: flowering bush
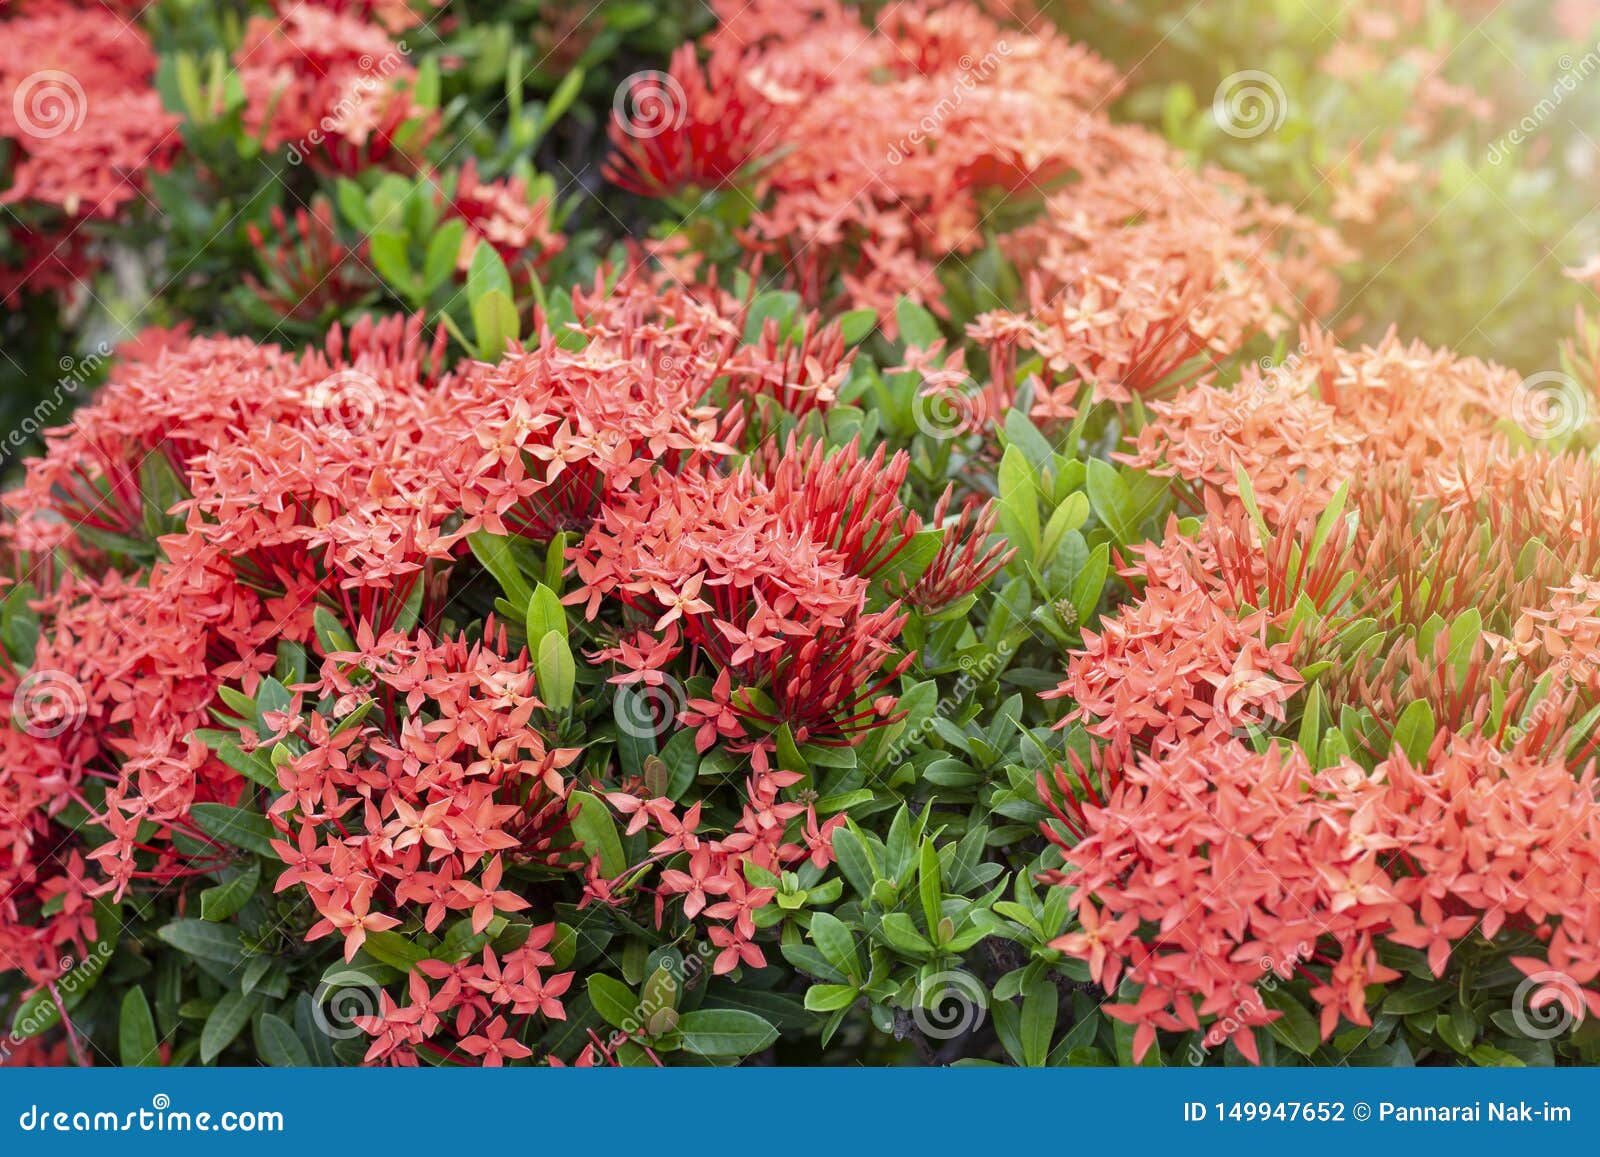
{"x": 785, "y": 533}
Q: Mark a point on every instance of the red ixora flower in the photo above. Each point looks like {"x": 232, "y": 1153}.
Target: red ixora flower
{"x": 779, "y": 555}
{"x": 80, "y": 110}
{"x": 333, "y": 89}
{"x": 689, "y": 128}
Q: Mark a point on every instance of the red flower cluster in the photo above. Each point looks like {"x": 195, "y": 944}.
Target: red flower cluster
{"x": 1449, "y": 584}
{"x": 389, "y": 811}
{"x": 873, "y": 151}
{"x": 766, "y": 571}
{"x": 293, "y": 494}
{"x": 84, "y": 126}
{"x": 719, "y": 879}
{"x": 333, "y": 89}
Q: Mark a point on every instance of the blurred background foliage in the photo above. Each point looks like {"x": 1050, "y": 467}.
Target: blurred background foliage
{"x": 1392, "y": 122}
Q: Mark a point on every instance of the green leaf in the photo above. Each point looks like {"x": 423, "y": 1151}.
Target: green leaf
{"x": 221, "y": 902}
{"x": 901, "y": 933}
{"x": 1296, "y": 1028}
{"x": 1070, "y": 515}
{"x": 682, "y": 761}
{"x": 218, "y": 943}
{"x": 918, "y": 327}
{"x": 562, "y": 98}
{"x": 914, "y": 558}
{"x": 443, "y": 250}
{"x": 1019, "y": 503}
{"x": 930, "y": 887}
{"x": 614, "y": 1001}
{"x": 856, "y": 324}
{"x": 1311, "y": 723}
{"x": 137, "y": 1043}
{"x": 556, "y": 670}
{"x": 241, "y": 827}
{"x": 277, "y": 1044}
{"x": 1022, "y": 433}
{"x": 487, "y": 274}
{"x": 1247, "y": 496}
{"x": 545, "y": 613}
{"x": 1038, "y": 1023}
{"x": 255, "y": 765}
{"x": 1465, "y": 632}
{"x": 830, "y": 997}
{"x": 717, "y": 1032}
{"x": 390, "y": 258}
{"x": 494, "y": 321}
{"x": 494, "y": 552}
{"x": 226, "y": 1022}
{"x": 595, "y": 830}
{"x": 391, "y": 948}
{"x": 1091, "y": 581}
{"x": 1112, "y": 501}
{"x": 854, "y": 861}
{"x": 1413, "y": 731}
{"x": 837, "y": 945}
